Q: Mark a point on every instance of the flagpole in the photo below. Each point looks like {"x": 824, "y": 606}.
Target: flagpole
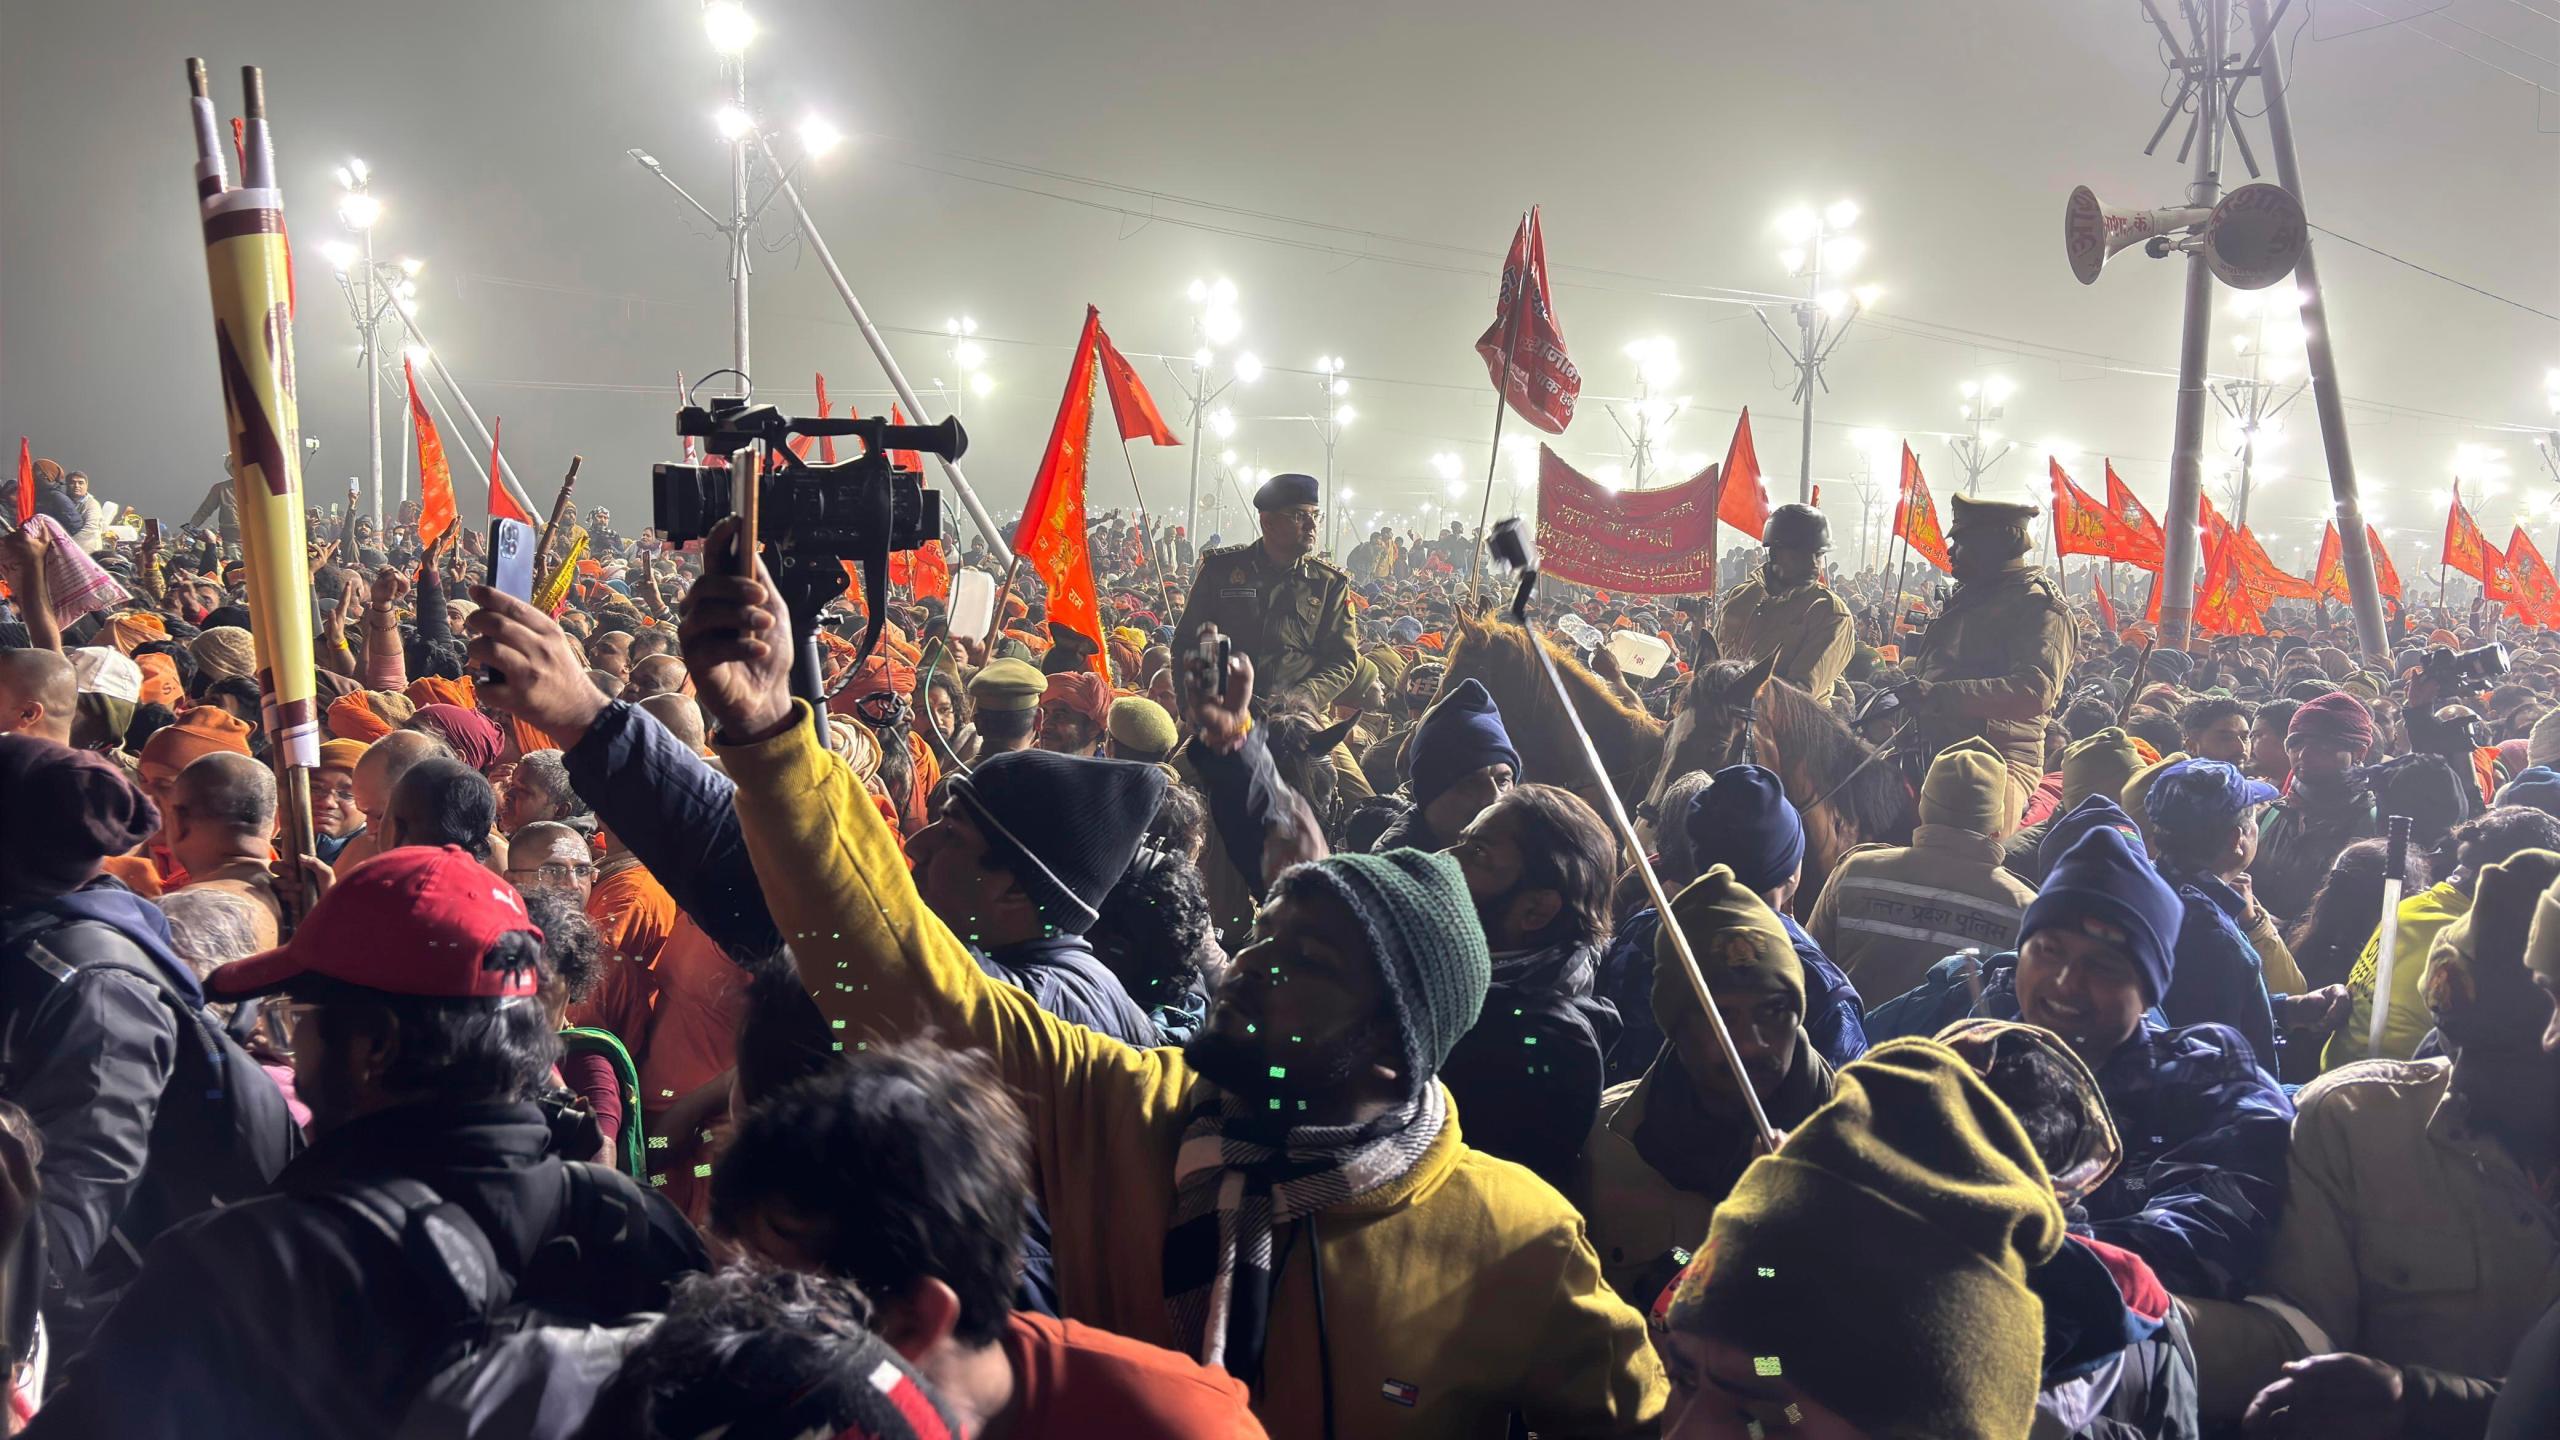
{"x": 1146, "y": 542}
{"x": 880, "y": 349}
{"x": 1501, "y": 403}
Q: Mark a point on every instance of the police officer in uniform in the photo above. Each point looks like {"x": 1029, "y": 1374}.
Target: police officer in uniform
{"x": 1281, "y": 605}
{"x": 1992, "y": 663}
{"x": 1786, "y": 610}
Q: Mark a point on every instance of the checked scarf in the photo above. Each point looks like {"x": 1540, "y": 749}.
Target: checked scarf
{"x": 1238, "y": 1182}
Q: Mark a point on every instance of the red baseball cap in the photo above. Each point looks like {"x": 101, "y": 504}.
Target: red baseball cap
{"x": 413, "y": 921}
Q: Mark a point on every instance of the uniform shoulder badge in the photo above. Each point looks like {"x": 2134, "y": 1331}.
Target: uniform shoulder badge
{"x": 1224, "y": 551}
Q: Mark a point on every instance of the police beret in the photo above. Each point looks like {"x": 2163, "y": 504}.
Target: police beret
{"x": 2001, "y": 514}
{"x": 1142, "y": 725}
{"x": 1007, "y": 684}
{"x": 1282, "y": 491}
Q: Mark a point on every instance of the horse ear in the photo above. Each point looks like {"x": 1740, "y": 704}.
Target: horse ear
{"x": 1709, "y": 652}
{"x": 1757, "y": 678}
{"x": 1324, "y": 742}
{"x": 1468, "y": 625}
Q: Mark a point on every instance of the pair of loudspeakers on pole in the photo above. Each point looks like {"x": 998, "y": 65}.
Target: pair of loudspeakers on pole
{"x": 2251, "y": 240}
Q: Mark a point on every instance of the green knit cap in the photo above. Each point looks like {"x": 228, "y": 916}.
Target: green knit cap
{"x": 2097, "y": 765}
{"x": 1421, "y": 923}
{"x": 1879, "y": 1260}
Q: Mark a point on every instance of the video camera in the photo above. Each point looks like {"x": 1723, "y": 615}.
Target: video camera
{"x": 812, "y": 519}
{"x": 2455, "y": 671}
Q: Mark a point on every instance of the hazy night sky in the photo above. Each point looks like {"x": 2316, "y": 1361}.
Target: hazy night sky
{"x": 1366, "y": 164}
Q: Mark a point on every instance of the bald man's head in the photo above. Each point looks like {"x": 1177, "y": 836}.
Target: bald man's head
{"x": 549, "y": 854}
{"x": 379, "y": 769}
{"x": 681, "y": 716}
{"x": 223, "y": 808}
{"x": 655, "y": 675}
{"x": 39, "y": 695}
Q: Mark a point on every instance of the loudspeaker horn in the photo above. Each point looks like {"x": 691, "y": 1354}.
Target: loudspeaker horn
{"x": 2255, "y": 237}
{"x": 2093, "y": 232}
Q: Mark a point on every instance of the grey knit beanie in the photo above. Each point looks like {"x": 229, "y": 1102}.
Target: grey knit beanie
{"x": 1414, "y": 907}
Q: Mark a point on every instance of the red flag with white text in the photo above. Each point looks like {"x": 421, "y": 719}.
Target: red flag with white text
{"x": 1540, "y": 383}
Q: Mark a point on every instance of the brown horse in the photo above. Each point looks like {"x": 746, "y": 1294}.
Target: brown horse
{"x": 1629, "y": 740}
{"x": 1739, "y": 713}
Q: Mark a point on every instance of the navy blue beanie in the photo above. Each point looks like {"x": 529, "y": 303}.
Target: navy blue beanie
{"x": 2105, "y": 877}
{"x": 2095, "y": 813}
{"x": 1458, "y": 737}
{"x": 1744, "y": 820}
{"x": 2537, "y": 786}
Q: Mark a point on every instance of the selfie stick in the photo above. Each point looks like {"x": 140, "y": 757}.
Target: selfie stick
{"x": 2395, "y": 869}
{"x": 1512, "y": 549}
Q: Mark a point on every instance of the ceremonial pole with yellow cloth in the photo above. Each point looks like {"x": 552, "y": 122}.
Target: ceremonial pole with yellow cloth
{"x": 246, "y": 259}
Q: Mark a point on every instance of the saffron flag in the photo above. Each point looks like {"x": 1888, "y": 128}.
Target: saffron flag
{"x": 1051, "y": 535}
{"x": 2465, "y": 549}
{"x": 2079, "y": 522}
{"x": 2537, "y": 593}
{"x": 2144, "y": 545}
{"x": 923, "y": 571}
{"x": 2266, "y": 581}
{"x": 1523, "y": 350}
{"x": 26, "y": 481}
{"x": 436, "y": 512}
{"x": 2106, "y": 609}
{"x": 1132, "y": 408}
{"x": 1742, "y": 501}
{"x": 504, "y": 504}
{"x": 1915, "y": 516}
{"x": 2386, "y": 576}
{"x": 2329, "y": 575}
{"x": 2223, "y": 606}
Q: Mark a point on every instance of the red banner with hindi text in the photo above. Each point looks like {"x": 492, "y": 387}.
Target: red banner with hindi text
{"x": 1642, "y": 542}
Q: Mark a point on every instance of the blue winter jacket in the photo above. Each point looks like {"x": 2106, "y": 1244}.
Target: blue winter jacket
{"x": 2205, "y": 1131}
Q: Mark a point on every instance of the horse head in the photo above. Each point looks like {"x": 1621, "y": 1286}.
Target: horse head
{"x": 1302, "y": 749}
{"x": 1718, "y": 722}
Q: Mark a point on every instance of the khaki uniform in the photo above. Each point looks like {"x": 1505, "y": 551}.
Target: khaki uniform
{"x": 1807, "y": 627}
{"x": 1889, "y": 912}
{"x": 2407, "y": 1236}
{"x": 1996, "y": 657}
{"x": 1294, "y": 620}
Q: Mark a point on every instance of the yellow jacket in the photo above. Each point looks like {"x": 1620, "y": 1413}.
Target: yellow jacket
{"x": 1460, "y": 1293}
{"x": 2423, "y": 917}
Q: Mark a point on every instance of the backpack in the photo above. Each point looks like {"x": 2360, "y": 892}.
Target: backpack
{"x": 221, "y": 1133}
{"x": 510, "y": 1369}
{"x": 631, "y": 1147}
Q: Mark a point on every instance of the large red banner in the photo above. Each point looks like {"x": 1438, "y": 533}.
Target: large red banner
{"x": 1641, "y": 542}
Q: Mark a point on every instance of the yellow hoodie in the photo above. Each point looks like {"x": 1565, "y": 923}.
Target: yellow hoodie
{"x": 1452, "y": 1297}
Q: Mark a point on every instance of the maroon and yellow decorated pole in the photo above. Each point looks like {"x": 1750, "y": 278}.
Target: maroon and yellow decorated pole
{"x": 251, "y": 273}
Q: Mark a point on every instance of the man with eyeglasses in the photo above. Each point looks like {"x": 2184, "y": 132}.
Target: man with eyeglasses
{"x": 548, "y": 855}
{"x": 1286, "y": 609}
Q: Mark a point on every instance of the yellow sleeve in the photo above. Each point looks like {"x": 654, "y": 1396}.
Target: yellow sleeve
{"x": 1597, "y": 1373}
{"x": 883, "y": 967}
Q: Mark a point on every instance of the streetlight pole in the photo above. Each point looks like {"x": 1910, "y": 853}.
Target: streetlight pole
{"x": 1983, "y": 401}
{"x": 372, "y": 384}
{"x": 1216, "y": 323}
{"x": 1332, "y": 387}
{"x": 1817, "y": 245}
{"x": 368, "y": 297}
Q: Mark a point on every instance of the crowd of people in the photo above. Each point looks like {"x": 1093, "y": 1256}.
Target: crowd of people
{"x": 1244, "y": 1020}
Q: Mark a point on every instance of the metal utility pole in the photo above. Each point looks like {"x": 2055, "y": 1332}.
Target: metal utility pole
{"x": 1983, "y": 402}
{"x": 2323, "y": 364}
{"x": 1823, "y": 317}
{"x": 372, "y": 382}
{"x": 2207, "y": 74}
{"x": 740, "y": 221}
{"x": 2253, "y": 403}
